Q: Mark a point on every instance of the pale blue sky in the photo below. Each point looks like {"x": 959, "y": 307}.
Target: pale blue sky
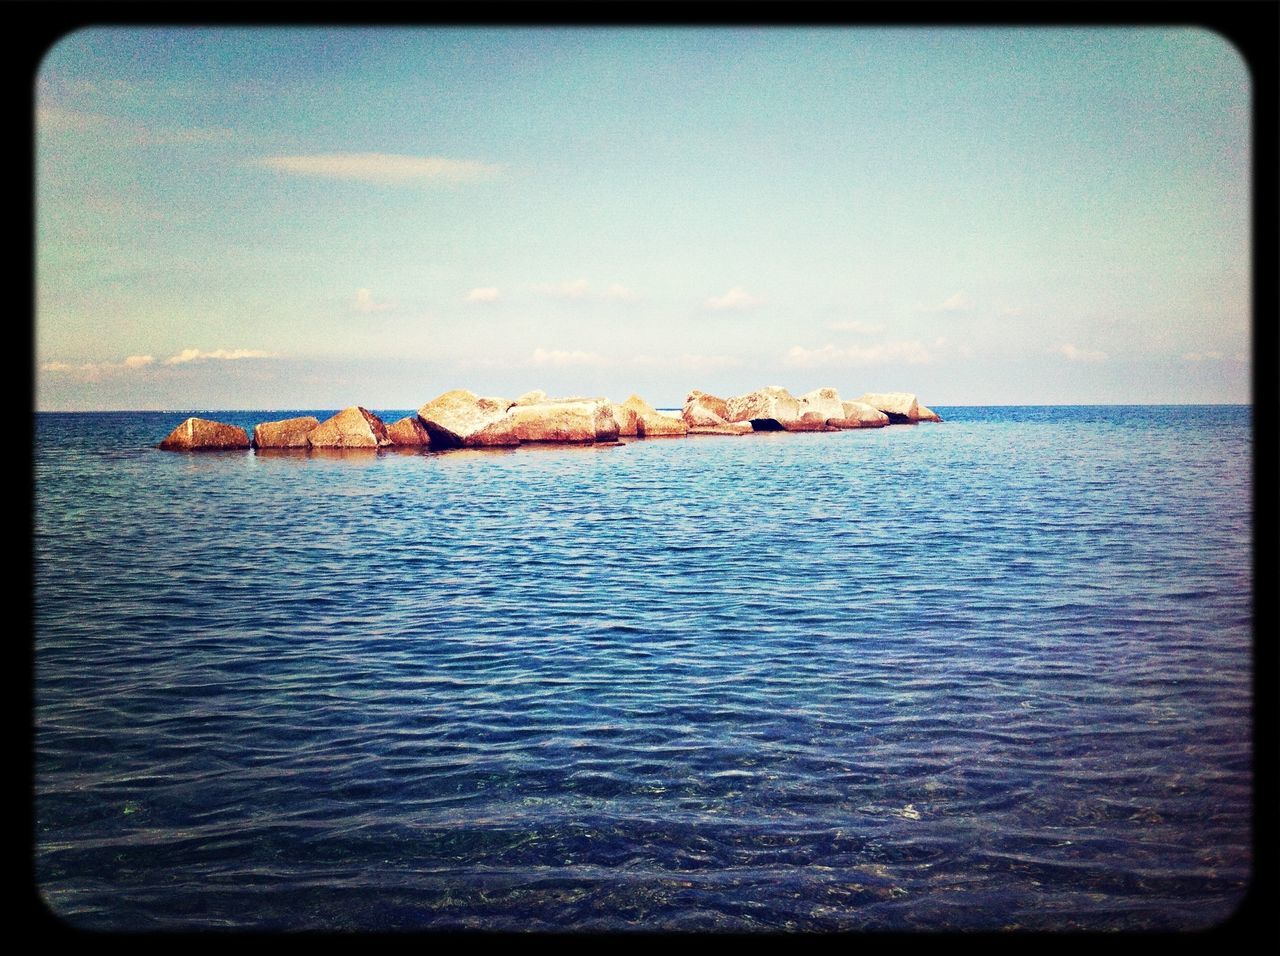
{"x": 281, "y": 218}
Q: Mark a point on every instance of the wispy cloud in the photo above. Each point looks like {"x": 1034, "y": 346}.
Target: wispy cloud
{"x": 196, "y": 355}
{"x": 735, "y": 298}
{"x": 560, "y": 357}
{"x": 956, "y": 303}
{"x": 575, "y": 289}
{"x": 365, "y": 302}
{"x": 382, "y": 168}
{"x": 486, "y": 294}
{"x": 57, "y": 119}
{"x": 1074, "y": 354}
{"x": 138, "y": 361}
{"x": 910, "y": 353}
{"x": 93, "y": 371}
{"x": 854, "y": 325}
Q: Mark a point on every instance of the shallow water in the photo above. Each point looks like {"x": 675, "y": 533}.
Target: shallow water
{"x": 985, "y": 674}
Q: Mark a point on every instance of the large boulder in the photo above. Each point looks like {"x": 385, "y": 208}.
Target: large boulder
{"x": 773, "y": 408}
{"x": 651, "y": 423}
{"x": 824, "y": 401}
{"x": 703, "y": 410}
{"x": 353, "y": 427}
{"x": 576, "y": 420}
{"x": 901, "y": 407}
{"x": 727, "y": 428}
{"x": 286, "y": 433}
{"x": 200, "y": 434}
{"x": 859, "y": 415}
{"x": 408, "y": 432}
{"x": 927, "y": 415}
{"x": 460, "y": 418}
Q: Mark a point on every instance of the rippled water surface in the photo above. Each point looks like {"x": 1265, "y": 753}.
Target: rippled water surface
{"x": 984, "y": 674}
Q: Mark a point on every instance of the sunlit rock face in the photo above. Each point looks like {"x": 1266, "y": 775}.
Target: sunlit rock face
{"x": 927, "y": 415}
{"x": 286, "y": 433}
{"x": 824, "y": 401}
{"x": 728, "y": 428}
{"x": 555, "y": 420}
{"x": 459, "y": 417}
{"x": 901, "y": 407}
{"x": 408, "y": 432}
{"x": 627, "y": 419}
{"x": 702, "y": 410}
{"x": 353, "y": 427}
{"x": 651, "y": 423}
{"x": 200, "y": 434}
{"x": 773, "y": 408}
{"x": 859, "y": 415}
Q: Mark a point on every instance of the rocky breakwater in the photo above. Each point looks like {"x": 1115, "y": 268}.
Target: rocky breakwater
{"x": 773, "y": 408}
{"x": 353, "y": 427}
{"x": 200, "y": 434}
{"x": 286, "y": 433}
{"x": 902, "y": 408}
{"x": 462, "y": 419}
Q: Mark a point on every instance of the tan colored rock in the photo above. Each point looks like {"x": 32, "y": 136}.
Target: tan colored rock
{"x": 859, "y": 415}
{"x": 200, "y": 434}
{"x": 825, "y": 401}
{"x": 901, "y": 407}
{"x": 627, "y": 419}
{"x": 353, "y": 427}
{"x": 409, "y": 432}
{"x": 651, "y": 423}
{"x": 927, "y": 415}
{"x": 286, "y": 433}
{"x": 458, "y": 417}
{"x": 532, "y": 397}
{"x": 701, "y": 409}
{"x": 728, "y": 428}
{"x": 766, "y": 408}
{"x": 555, "y": 420}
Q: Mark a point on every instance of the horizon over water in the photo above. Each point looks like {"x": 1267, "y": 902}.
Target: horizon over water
{"x": 988, "y": 674}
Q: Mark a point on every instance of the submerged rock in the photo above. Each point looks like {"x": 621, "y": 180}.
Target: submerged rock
{"x": 286, "y": 433}
{"x": 859, "y": 415}
{"x": 353, "y": 427}
{"x": 459, "y": 418}
{"x": 408, "y": 432}
{"x": 201, "y": 434}
{"x": 651, "y": 423}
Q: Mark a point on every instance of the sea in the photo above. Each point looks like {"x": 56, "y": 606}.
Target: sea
{"x": 989, "y": 674}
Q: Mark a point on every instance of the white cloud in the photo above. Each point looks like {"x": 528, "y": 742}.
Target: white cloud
{"x": 956, "y": 303}
{"x": 366, "y": 303}
{"x": 56, "y": 367}
{"x": 853, "y": 325}
{"x": 195, "y": 355}
{"x": 138, "y": 361}
{"x": 382, "y": 167}
{"x": 910, "y": 353}
{"x": 1075, "y": 354}
{"x": 1203, "y": 356}
{"x": 735, "y": 298}
{"x": 487, "y": 294}
{"x": 560, "y": 357}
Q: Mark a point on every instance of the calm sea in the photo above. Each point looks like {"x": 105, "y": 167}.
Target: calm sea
{"x": 985, "y": 674}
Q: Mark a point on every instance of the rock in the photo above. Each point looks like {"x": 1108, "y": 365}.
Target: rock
{"x": 774, "y": 409}
{"x": 651, "y": 423}
{"x": 701, "y": 409}
{"x": 532, "y": 397}
{"x": 728, "y": 428}
{"x": 286, "y": 433}
{"x": 901, "y": 407}
{"x": 859, "y": 415}
{"x": 627, "y": 419}
{"x": 458, "y": 418}
{"x": 555, "y": 420}
{"x": 409, "y": 432}
{"x": 353, "y": 427}
{"x": 200, "y": 434}
{"x": 825, "y": 401}
{"x": 927, "y": 415}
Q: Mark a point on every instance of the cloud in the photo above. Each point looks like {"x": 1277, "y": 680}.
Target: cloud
{"x": 735, "y": 298}
{"x": 688, "y": 361}
{"x": 382, "y": 168}
{"x": 56, "y": 119}
{"x": 92, "y": 371}
{"x": 956, "y": 303}
{"x": 910, "y": 353}
{"x": 138, "y": 361}
{"x": 853, "y": 325}
{"x": 1080, "y": 355}
{"x": 195, "y": 355}
{"x": 487, "y": 294}
{"x": 559, "y": 357}
{"x": 581, "y": 289}
{"x": 365, "y": 302}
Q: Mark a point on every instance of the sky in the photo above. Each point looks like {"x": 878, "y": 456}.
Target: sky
{"x": 279, "y": 218}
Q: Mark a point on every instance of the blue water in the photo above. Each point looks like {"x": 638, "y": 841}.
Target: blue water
{"x": 987, "y": 674}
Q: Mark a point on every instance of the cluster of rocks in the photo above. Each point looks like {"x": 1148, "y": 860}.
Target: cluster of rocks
{"x": 462, "y": 419}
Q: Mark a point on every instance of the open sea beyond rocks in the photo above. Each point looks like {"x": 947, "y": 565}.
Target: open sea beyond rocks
{"x": 991, "y": 673}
